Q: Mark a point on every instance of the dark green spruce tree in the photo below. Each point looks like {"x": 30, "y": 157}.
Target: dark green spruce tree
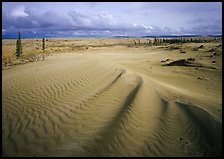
{"x": 155, "y": 41}
{"x": 43, "y": 48}
{"x": 19, "y": 51}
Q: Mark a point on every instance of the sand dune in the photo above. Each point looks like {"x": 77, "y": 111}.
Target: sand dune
{"x": 106, "y": 105}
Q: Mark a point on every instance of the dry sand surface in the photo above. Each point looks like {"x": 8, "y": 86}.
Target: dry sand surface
{"x": 115, "y": 101}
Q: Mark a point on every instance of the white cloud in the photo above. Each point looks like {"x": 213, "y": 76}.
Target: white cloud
{"x": 86, "y": 20}
{"x": 35, "y": 22}
{"x": 147, "y": 27}
{"x": 107, "y": 31}
{"x": 109, "y": 19}
{"x": 144, "y": 26}
{"x": 3, "y": 31}
{"x": 19, "y": 11}
{"x": 150, "y": 27}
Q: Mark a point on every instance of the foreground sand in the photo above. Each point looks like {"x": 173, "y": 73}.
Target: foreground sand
{"x": 113, "y": 102}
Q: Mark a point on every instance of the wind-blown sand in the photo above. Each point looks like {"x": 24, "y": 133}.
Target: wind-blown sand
{"x": 113, "y": 102}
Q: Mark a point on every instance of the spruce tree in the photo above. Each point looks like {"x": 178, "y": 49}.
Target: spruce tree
{"x": 18, "y": 47}
{"x": 155, "y": 41}
{"x": 43, "y": 46}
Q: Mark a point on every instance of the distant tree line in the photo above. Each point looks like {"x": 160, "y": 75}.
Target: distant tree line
{"x": 158, "y": 41}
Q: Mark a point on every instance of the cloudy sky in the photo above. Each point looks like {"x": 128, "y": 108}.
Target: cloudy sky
{"x": 106, "y": 19}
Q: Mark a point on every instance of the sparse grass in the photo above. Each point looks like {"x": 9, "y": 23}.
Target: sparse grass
{"x": 33, "y": 47}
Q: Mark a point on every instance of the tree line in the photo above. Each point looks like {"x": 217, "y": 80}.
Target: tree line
{"x": 158, "y": 41}
{"x": 185, "y": 40}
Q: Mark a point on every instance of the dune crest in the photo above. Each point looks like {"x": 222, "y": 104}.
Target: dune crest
{"x": 108, "y": 105}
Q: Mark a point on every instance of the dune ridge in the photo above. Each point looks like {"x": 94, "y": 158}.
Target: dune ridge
{"x": 74, "y": 105}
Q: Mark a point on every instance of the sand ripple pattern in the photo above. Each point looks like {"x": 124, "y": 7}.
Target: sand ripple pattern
{"x": 85, "y": 107}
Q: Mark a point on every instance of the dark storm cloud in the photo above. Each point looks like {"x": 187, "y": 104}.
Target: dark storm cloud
{"x": 111, "y": 19}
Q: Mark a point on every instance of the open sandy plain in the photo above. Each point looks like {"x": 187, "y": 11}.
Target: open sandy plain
{"x": 106, "y": 97}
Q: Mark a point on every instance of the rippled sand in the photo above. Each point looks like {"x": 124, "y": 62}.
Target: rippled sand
{"x": 118, "y": 102}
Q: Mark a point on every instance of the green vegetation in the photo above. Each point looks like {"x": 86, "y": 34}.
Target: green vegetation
{"x": 19, "y": 51}
{"x": 187, "y": 40}
{"x": 155, "y": 42}
{"x": 43, "y": 46}
{"x": 35, "y": 49}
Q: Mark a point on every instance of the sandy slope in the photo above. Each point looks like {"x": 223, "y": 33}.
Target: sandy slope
{"x": 111, "y": 103}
